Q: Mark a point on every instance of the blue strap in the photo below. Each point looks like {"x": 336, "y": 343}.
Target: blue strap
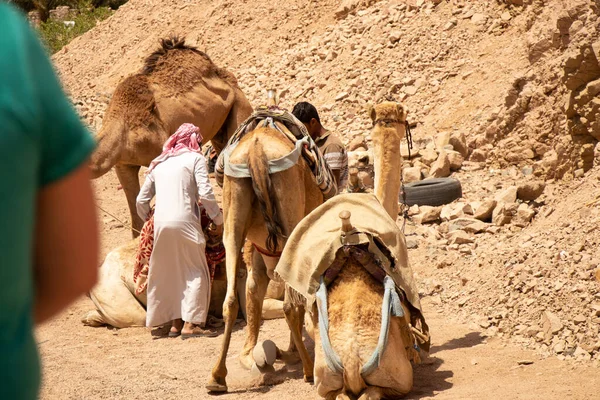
{"x": 391, "y": 306}
{"x": 331, "y": 358}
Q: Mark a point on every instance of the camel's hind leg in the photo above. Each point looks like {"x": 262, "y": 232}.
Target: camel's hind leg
{"x": 93, "y": 318}
{"x": 372, "y": 393}
{"x": 236, "y": 225}
{"x": 294, "y": 316}
{"x": 128, "y": 177}
{"x": 256, "y": 287}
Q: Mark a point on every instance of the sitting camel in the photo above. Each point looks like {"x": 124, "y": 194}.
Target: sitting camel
{"x": 177, "y": 84}
{"x": 268, "y": 188}
{"x": 118, "y": 303}
{"x": 364, "y": 309}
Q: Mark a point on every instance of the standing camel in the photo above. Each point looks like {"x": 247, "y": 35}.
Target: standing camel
{"x": 263, "y": 207}
{"x": 177, "y": 84}
{"x": 348, "y": 259}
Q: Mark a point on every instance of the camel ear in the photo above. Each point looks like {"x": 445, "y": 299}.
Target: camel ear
{"x": 402, "y": 111}
{"x": 372, "y": 113}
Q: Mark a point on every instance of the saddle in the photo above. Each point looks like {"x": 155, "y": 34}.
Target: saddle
{"x": 289, "y": 126}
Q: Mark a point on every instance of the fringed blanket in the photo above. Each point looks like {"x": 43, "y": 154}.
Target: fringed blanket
{"x": 215, "y": 252}
{"x": 295, "y": 130}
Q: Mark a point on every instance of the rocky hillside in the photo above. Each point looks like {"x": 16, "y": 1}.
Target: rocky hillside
{"x": 502, "y": 95}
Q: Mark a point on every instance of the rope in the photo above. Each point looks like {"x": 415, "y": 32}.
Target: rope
{"x": 409, "y": 143}
{"x": 125, "y": 225}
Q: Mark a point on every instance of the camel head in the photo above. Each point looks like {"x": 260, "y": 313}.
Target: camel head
{"x": 389, "y": 114}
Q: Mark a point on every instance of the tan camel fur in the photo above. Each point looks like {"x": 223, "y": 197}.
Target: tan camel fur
{"x": 388, "y": 131}
{"x": 178, "y": 84}
{"x": 263, "y": 209}
{"x": 355, "y": 297}
{"x": 117, "y": 304}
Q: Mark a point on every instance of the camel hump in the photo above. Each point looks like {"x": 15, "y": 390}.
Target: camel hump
{"x": 173, "y": 42}
{"x": 346, "y": 224}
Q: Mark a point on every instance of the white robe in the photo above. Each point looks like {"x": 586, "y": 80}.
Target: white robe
{"x": 179, "y": 278}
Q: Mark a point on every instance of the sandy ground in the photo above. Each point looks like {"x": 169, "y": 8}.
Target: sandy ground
{"x": 102, "y": 363}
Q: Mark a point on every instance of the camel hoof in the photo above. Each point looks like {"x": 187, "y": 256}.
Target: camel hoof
{"x": 246, "y": 361}
{"x": 215, "y": 386}
{"x": 309, "y": 379}
{"x": 289, "y": 357}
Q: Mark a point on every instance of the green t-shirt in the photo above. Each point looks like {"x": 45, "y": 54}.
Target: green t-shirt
{"x": 41, "y": 141}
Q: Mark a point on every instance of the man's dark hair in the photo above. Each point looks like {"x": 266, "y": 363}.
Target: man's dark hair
{"x": 305, "y": 111}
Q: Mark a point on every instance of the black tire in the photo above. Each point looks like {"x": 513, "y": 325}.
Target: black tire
{"x": 432, "y": 192}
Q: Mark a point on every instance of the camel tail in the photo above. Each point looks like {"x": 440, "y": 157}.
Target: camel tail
{"x": 110, "y": 142}
{"x": 263, "y": 189}
{"x": 353, "y": 380}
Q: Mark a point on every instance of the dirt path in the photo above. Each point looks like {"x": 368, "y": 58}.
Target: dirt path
{"x": 101, "y": 363}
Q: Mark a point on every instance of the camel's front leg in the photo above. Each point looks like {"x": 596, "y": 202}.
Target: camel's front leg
{"x": 294, "y": 316}
{"x": 256, "y": 287}
{"x": 129, "y": 180}
{"x": 237, "y": 216}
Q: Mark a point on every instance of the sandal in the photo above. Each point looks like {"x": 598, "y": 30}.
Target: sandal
{"x": 199, "y": 332}
{"x": 160, "y": 332}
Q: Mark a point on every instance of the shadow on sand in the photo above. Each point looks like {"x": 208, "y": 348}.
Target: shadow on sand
{"x": 429, "y": 379}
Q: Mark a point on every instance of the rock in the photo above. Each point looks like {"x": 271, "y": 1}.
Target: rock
{"x": 395, "y": 36}
{"x": 358, "y": 143}
{"x": 485, "y": 211}
{"x": 508, "y": 195}
{"x": 346, "y": 8}
{"x": 580, "y": 353}
{"x": 579, "y": 319}
{"x": 525, "y": 362}
{"x": 410, "y": 90}
{"x": 531, "y": 190}
{"x": 429, "y": 156}
{"x": 476, "y": 227}
{"x": 478, "y": 155}
{"x": 412, "y": 243}
{"x": 341, "y": 96}
{"x": 441, "y": 167}
{"x": 412, "y": 174}
{"x": 479, "y": 19}
{"x": 551, "y": 323}
{"x": 503, "y": 213}
{"x": 459, "y": 143}
{"x": 453, "y": 211}
{"x": 505, "y": 16}
{"x": 459, "y": 237}
{"x": 532, "y": 331}
{"x": 559, "y": 347}
{"x": 449, "y": 25}
{"x": 428, "y": 214}
{"x": 442, "y": 139}
{"x": 524, "y": 215}
{"x": 456, "y": 160}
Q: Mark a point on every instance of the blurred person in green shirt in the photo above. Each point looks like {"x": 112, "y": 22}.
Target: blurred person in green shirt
{"x": 48, "y": 231}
